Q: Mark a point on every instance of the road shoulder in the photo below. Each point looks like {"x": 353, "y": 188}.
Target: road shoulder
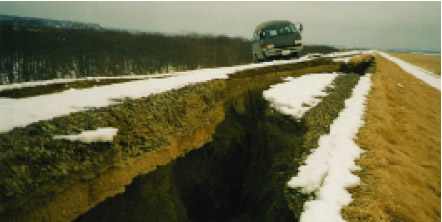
{"x": 400, "y": 180}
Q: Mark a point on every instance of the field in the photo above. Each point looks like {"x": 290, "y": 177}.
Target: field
{"x": 400, "y": 180}
{"x": 428, "y": 62}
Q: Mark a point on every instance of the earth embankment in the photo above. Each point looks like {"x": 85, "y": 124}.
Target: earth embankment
{"x": 243, "y": 151}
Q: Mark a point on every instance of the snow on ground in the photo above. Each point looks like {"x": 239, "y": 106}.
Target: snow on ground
{"x": 21, "y": 112}
{"x": 345, "y": 59}
{"x": 342, "y": 54}
{"x": 428, "y": 77}
{"x": 59, "y": 81}
{"x": 328, "y": 168}
{"x": 105, "y": 134}
{"x": 297, "y": 95}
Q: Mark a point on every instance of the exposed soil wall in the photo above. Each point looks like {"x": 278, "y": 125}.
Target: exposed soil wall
{"x": 47, "y": 179}
{"x": 239, "y": 176}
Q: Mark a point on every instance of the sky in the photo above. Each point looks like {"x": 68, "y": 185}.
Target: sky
{"x": 378, "y": 25}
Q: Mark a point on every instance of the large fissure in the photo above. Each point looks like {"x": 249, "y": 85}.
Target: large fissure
{"x": 242, "y": 174}
{"x": 239, "y": 176}
{"x": 213, "y": 151}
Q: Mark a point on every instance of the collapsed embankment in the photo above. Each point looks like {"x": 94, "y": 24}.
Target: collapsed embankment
{"x": 247, "y": 152}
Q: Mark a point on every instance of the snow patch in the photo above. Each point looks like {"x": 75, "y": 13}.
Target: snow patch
{"x": 428, "y": 77}
{"x": 297, "y": 95}
{"x": 21, "y": 112}
{"x": 135, "y": 77}
{"x": 342, "y": 54}
{"x": 105, "y": 134}
{"x": 345, "y": 59}
{"x": 328, "y": 168}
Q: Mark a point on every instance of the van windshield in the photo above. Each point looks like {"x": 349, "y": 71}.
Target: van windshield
{"x": 279, "y": 29}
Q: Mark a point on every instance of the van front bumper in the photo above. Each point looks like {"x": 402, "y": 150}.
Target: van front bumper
{"x": 282, "y": 51}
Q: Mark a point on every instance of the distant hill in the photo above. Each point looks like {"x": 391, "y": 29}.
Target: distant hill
{"x": 31, "y": 22}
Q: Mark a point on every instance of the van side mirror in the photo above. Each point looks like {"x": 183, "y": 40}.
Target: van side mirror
{"x": 299, "y": 26}
{"x": 261, "y": 35}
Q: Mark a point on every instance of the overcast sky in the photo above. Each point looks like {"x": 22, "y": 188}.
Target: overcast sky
{"x": 400, "y": 25}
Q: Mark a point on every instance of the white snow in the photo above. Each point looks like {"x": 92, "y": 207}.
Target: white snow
{"x": 21, "y": 112}
{"x": 344, "y": 59}
{"x": 342, "y": 54}
{"x": 58, "y": 81}
{"x": 105, "y": 134}
{"x": 328, "y": 168}
{"x": 297, "y": 95}
{"x": 428, "y": 77}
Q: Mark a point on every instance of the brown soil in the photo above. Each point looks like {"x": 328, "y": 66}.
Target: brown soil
{"x": 428, "y": 62}
{"x": 400, "y": 180}
{"x": 77, "y": 200}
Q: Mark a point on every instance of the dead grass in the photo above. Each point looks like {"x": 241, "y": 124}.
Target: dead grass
{"x": 428, "y": 62}
{"x": 400, "y": 180}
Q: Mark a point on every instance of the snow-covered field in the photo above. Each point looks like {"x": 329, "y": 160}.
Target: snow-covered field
{"x": 21, "y": 112}
{"x": 422, "y": 74}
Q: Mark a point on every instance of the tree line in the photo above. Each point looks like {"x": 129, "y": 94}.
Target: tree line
{"x": 28, "y": 54}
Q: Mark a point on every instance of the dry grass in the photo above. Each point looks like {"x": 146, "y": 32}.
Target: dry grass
{"x": 400, "y": 180}
{"x": 428, "y": 62}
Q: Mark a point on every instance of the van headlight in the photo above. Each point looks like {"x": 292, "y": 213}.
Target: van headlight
{"x": 298, "y": 42}
{"x": 269, "y": 46}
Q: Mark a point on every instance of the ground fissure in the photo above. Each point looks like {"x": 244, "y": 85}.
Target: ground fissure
{"x": 243, "y": 140}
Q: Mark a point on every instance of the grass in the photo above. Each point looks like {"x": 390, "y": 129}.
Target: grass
{"x": 428, "y": 62}
{"x": 400, "y": 180}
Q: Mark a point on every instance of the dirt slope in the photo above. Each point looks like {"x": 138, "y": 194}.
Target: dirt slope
{"x": 400, "y": 180}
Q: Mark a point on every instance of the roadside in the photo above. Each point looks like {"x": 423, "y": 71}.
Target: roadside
{"x": 400, "y": 180}
{"x": 430, "y": 63}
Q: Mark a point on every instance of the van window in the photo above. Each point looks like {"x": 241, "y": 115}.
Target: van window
{"x": 279, "y": 29}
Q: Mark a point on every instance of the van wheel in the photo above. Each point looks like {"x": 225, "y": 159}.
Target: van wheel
{"x": 297, "y": 55}
{"x": 255, "y": 59}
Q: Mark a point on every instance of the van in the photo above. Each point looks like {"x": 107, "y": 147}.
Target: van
{"x": 275, "y": 39}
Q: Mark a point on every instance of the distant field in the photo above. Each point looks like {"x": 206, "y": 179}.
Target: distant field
{"x": 428, "y": 62}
